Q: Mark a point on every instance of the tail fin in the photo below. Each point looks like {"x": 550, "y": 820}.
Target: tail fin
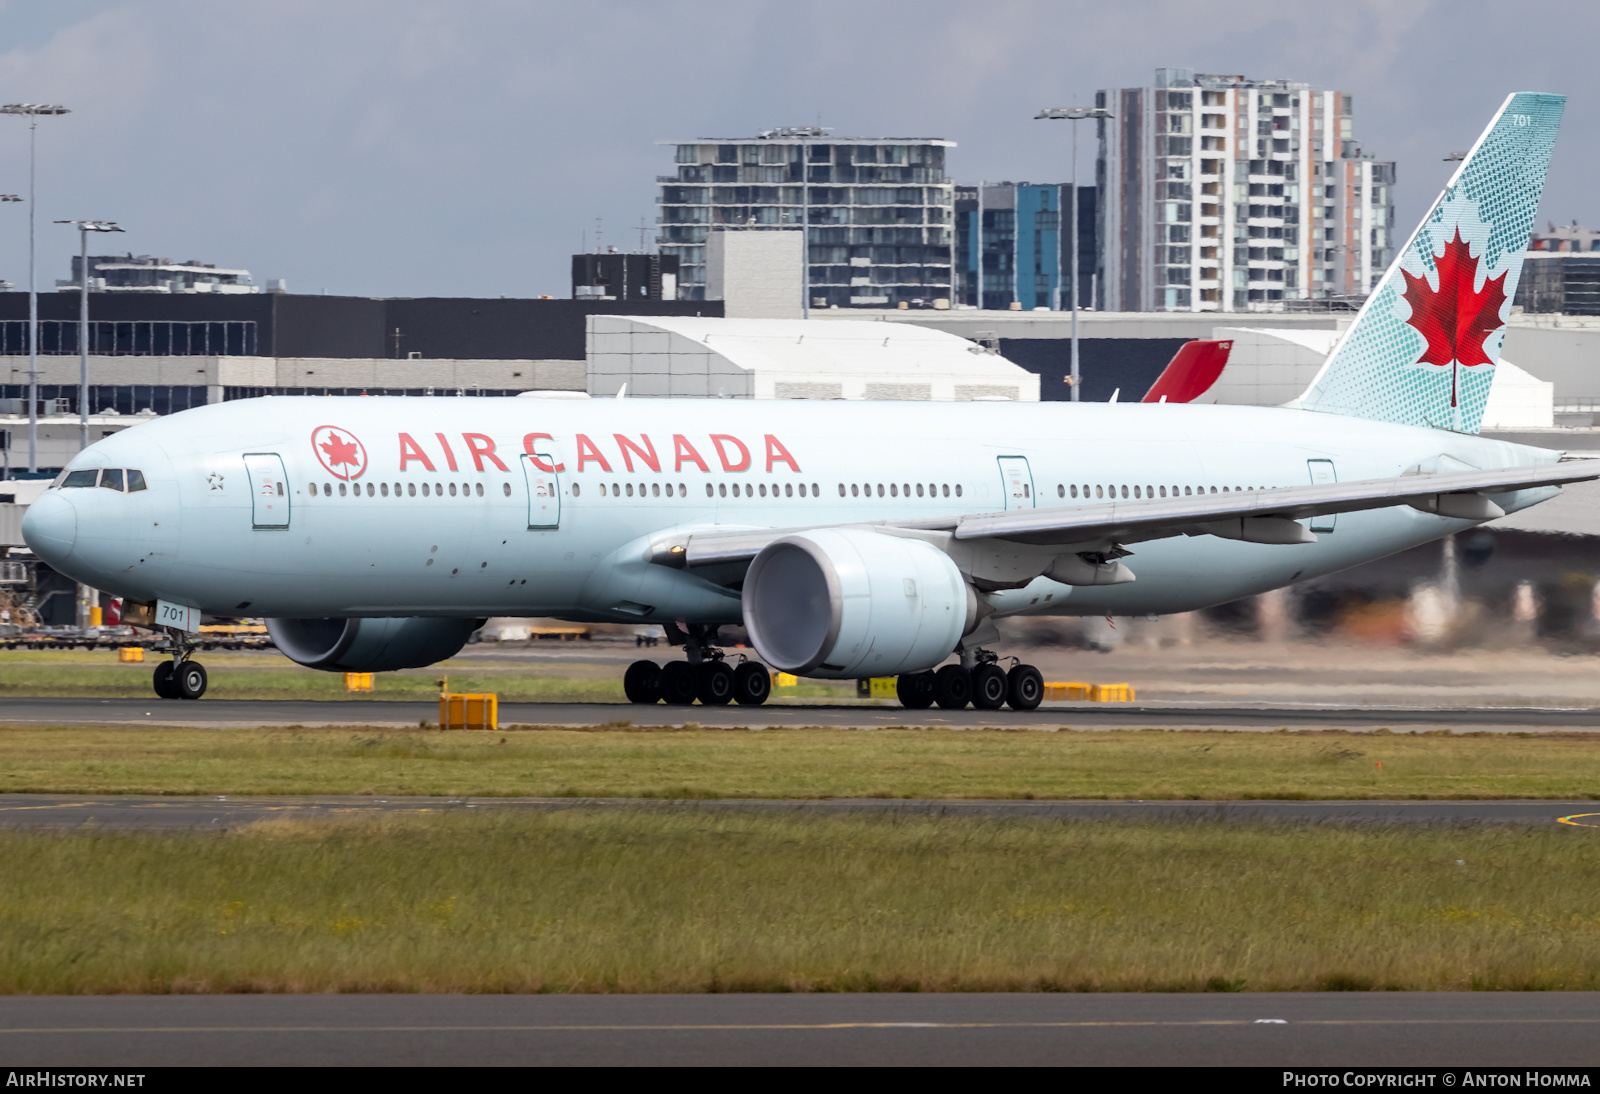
{"x": 1422, "y": 350}
{"x": 1190, "y": 373}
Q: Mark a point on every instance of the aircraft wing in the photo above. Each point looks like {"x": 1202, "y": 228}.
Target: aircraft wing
{"x": 1265, "y": 516}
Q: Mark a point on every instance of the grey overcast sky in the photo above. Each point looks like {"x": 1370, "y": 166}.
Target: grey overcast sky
{"x": 424, "y": 148}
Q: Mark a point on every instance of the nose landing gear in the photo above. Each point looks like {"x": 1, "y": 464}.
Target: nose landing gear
{"x": 182, "y": 677}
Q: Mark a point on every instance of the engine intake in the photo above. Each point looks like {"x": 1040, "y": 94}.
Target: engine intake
{"x": 370, "y": 645}
{"x": 847, "y": 602}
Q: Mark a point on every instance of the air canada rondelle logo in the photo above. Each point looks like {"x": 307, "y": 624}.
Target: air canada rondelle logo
{"x": 339, "y": 451}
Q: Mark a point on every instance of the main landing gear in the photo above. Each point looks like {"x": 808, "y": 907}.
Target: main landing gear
{"x": 182, "y": 677}
{"x": 705, "y": 675}
{"x": 985, "y": 685}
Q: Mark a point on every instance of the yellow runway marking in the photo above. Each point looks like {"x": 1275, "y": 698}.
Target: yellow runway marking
{"x": 1576, "y": 823}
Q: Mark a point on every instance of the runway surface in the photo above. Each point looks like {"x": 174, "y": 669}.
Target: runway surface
{"x": 307, "y": 712}
{"x": 150, "y": 813}
{"x": 1344, "y": 1030}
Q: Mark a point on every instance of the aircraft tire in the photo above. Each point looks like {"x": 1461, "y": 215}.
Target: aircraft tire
{"x": 752, "y": 683}
{"x": 165, "y": 687}
{"x": 715, "y": 684}
{"x": 989, "y": 687}
{"x": 642, "y": 682}
{"x": 952, "y": 687}
{"x": 915, "y": 690}
{"x": 189, "y": 679}
{"x": 1024, "y": 688}
{"x": 679, "y": 683}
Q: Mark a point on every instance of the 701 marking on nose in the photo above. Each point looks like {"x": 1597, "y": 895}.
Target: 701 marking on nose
{"x": 181, "y": 616}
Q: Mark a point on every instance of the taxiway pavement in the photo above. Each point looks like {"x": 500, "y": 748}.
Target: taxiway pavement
{"x": 163, "y": 813}
{"x": 1347, "y": 1030}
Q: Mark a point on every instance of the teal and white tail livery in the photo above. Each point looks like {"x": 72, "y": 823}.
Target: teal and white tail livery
{"x": 1424, "y": 347}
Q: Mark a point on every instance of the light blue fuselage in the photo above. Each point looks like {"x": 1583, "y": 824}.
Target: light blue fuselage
{"x": 192, "y": 537}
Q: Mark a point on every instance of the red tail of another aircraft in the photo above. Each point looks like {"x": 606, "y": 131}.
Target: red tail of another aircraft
{"x": 1190, "y": 373}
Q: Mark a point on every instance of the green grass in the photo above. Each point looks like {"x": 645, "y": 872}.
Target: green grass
{"x": 619, "y": 761}
{"x": 663, "y": 901}
{"x": 269, "y": 675}
{"x": 82, "y": 674}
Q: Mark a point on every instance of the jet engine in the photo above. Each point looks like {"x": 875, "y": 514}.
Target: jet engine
{"x": 848, "y": 602}
{"x": 370, "y": 645}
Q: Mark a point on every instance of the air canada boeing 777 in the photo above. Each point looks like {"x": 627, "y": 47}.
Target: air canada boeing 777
{"x": 850, "y": 539}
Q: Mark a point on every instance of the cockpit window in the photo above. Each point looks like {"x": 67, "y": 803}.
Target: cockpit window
{"x": 111, "y": 478}
{"x": 135, "y": 480}
{"x": 86, "y": 477}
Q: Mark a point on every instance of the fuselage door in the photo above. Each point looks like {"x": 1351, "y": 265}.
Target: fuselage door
{"x": 1017, "y": 481}
{"x": 544, "y": 492}
{"x": 269, "y": 490}
{"x": 1322, "y": 472}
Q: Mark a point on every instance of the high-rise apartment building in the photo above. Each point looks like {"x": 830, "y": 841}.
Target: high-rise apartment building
{"x": 879, "y": 211}
{"x": 1223, "y": 193}
{"x": 1013, "y": 241}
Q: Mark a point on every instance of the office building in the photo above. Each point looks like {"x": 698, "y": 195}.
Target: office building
{"x": 1225, "y": 193}
{"x": 142, "y": 273}
{"x": 1012, "y": 242}
{"x": 756, "y": 275}
{"x": 614, "y": 276}
{"x": 1560, "y": 283}
{"x": 162, "y": 353}
{"x": 879, "y": 211}
{"x": 1566, "y": 238}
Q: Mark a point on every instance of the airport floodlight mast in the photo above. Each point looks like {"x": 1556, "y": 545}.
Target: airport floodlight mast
{"x": 806, "y": 134}
{"x": 84, "y": 228}
{"x": 1074, "y": 114}
{"x": 32, "y": 110}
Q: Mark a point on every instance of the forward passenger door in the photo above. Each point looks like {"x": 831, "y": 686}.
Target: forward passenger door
{"x": 544, "y": 492}
{"x": 269, "y": 490}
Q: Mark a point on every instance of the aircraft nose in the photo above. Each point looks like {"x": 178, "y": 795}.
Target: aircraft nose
{"x": 50, "y": 527}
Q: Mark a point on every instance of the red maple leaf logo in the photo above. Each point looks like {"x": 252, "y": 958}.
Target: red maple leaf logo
{"x": 1456, "y": 319}
{"x": 341, "y": 452}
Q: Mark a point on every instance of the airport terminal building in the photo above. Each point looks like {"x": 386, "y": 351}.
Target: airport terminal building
{"x": 165, "y": 353}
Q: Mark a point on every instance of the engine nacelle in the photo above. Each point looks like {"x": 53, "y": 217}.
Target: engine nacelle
{"x": 848, "y": 602}
{"x": 370, "y": 645}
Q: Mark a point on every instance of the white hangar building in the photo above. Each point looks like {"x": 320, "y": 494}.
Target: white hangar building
{"x": 795, "y": 359}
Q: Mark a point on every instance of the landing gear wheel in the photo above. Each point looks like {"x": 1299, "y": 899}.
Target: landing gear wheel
{"x": 716, "y": 683}
{"x": 915, "y": 690}
{"x": 989, "y": 687}
{"x": 751, "y": 684}
{"x": 166, "y": 687}
{"x": 952, "y": 687}
{"x": 1024, "y": 687}
{"x": 190, "y": 680}
{"x": 679, "y": 683}
{"x": 642, "y": 682}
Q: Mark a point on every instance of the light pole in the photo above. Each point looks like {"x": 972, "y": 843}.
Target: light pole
{"x": 6, "y": 472}
{"x": 1074, "y": 114}
{"x": 32, "y": 110}
{"x": 84, "y": 228}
